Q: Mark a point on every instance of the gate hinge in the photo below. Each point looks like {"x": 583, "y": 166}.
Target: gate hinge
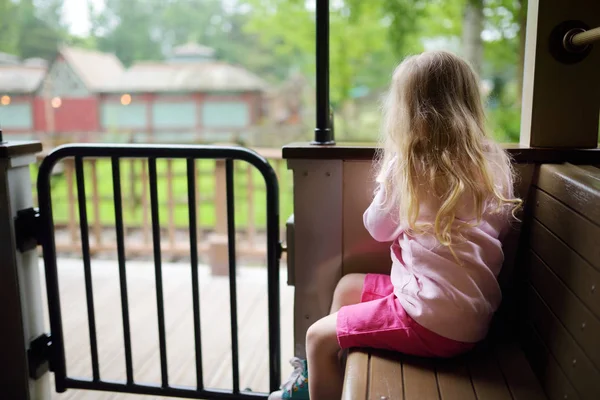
{"x": 282, "y": 248}
{"x": 38, "y": 356}
{"x": 27, "y": 229}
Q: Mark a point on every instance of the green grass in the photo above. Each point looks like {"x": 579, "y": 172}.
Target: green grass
{"x": 132, "y": 188}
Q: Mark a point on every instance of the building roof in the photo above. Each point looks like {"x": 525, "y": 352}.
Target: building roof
{"x": 206, "y": 76}
{"x": 94, "y": 68}
{"x": 6, "y": 58}
{"x": 193, "y": 49}
{"x": 20, "y": 78}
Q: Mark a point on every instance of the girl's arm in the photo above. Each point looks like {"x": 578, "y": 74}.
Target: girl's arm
{"x": 380, "y": 221}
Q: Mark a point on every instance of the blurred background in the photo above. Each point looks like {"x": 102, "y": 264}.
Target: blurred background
{"x": 205, "y": 71}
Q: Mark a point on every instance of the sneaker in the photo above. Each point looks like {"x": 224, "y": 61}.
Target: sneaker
{"x": 296, "y": 387}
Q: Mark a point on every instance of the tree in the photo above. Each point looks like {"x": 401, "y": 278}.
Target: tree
{"x": 36, "y": 37}
{"x": 366, "y": 38}
{"x": 9, "y": 29}
{"x": 472, "y": 28}
{"x": 125, "y": 27}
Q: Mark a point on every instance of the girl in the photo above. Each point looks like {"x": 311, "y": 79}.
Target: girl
{"x": 444, "y": 200}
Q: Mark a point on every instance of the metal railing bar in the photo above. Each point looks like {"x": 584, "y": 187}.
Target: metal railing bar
{"x": 191, "y": 183}
{"x": 273, "y": 257}
{"x": 87, "y": 269}
{"x": 323, "y": 131}
{"x": 232, "y": 273}
{"x": 116, "y": 176}
{"x": 47, "y": 240}
{"x": 160, "y": 307}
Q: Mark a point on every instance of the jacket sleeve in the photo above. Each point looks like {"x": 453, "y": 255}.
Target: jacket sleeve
{"x": 380, "y": 221}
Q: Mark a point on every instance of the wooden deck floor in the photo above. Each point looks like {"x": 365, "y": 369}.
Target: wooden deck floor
{"x": 215, "y": 323}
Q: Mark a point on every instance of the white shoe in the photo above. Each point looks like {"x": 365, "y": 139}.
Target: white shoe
{"x": 296, "y": 387}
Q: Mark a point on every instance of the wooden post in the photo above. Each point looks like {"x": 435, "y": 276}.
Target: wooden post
{"x": 96, "y": 203}
{"x": 21, "y": 310}
{"x": 217, "y": 253}
{"x": 132, "y": 184}
{"x": 170, "y": 205}
{"x": 560, "y": 100}
{"x": 318, "y": 233}
{"x": 198, "y": 200}
{"x": 145, "y": 209}
{"x": 72, "y": 223}
{"x": 250, "y": 198}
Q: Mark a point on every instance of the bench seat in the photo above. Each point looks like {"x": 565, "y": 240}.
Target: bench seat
{"x": 492, "y": 371}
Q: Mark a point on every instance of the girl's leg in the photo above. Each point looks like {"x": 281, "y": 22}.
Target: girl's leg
{"x": 348, "y": 291}
{"x": 325, "y": 372}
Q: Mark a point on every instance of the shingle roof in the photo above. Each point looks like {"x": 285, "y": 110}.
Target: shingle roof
{"x": 20, "y": 79}
{"x": 193, "y": 49}
{"x": 185, "y": 77}
{"x": 96, "y": 69}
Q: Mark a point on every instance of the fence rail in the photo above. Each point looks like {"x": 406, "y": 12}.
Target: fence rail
{"x": 172, "y": 177}
{"x": 152, "y": 154}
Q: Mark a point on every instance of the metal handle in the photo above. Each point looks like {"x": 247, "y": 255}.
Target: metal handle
{"x": 578, "y": 39}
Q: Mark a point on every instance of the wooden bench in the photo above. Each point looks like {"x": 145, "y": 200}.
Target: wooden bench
{"x": 545, "y": 342}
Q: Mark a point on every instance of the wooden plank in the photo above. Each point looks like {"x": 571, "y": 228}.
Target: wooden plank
{"x": 574, "y": 187}
{"x": 170, "y": 203}
{"x": 553, "y": 380}
{"x": 454, "y": 381}
{"x": 521, "y": 380}
{"x": 97, "y": 224}
{"x": 592, "y": 170}
{"x": 356, "y": 376}
{"x": 419, "y": 379}
{"x": 576, "y": 273}
{"x": 576, "y": 318}
{"x": 486, "y": 376}
{"x": 178, "y": 312}
{"x": 385, "y": 376}
{"x": 573, "y": 361}
{"x": 578, "y": 232}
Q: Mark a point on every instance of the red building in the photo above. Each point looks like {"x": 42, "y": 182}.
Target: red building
{"x": 19, "y": 83}
{"x": 89, "y": 95}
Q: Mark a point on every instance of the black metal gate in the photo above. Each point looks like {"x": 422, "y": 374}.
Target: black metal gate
{"x": 54, "y": 345}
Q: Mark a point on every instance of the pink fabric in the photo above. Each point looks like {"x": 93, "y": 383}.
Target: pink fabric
{"x": 380, "y": 322}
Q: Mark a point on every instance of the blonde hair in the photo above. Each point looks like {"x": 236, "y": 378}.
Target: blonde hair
{"x": 435, "y": 147}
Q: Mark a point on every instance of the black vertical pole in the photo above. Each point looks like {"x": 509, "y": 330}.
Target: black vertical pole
{"x": 323, "y": 131}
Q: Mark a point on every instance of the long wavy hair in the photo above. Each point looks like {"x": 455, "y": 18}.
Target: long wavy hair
{"x": 435, "y": 147}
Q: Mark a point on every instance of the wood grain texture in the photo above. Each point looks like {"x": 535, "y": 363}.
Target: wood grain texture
{"x": 569, "y": 356}
{"x": 575, "y": 272}
{"x": 521, "y": 380}
{"x": 454, "y": 380}
{"x": 573, "y": 315}
{"x": 552, "y": 378}
{"x": 215, "y": 326}
{"x": 420, "y": 382}
{"x": 575, "y": 187}
{"x": 385, "y": 376}
{"x": 356, "y": 378}
{"x": 578, "y": 232}
{"x": 487, "y": 377}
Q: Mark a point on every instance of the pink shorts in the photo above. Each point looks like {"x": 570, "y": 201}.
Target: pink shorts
{"x": 379, "y": 321}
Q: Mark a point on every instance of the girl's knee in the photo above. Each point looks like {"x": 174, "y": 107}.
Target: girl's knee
{"x": 322, "y": 335}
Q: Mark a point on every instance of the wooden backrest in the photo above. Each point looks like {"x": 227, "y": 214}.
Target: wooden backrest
{"x": 559, "y": 276}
